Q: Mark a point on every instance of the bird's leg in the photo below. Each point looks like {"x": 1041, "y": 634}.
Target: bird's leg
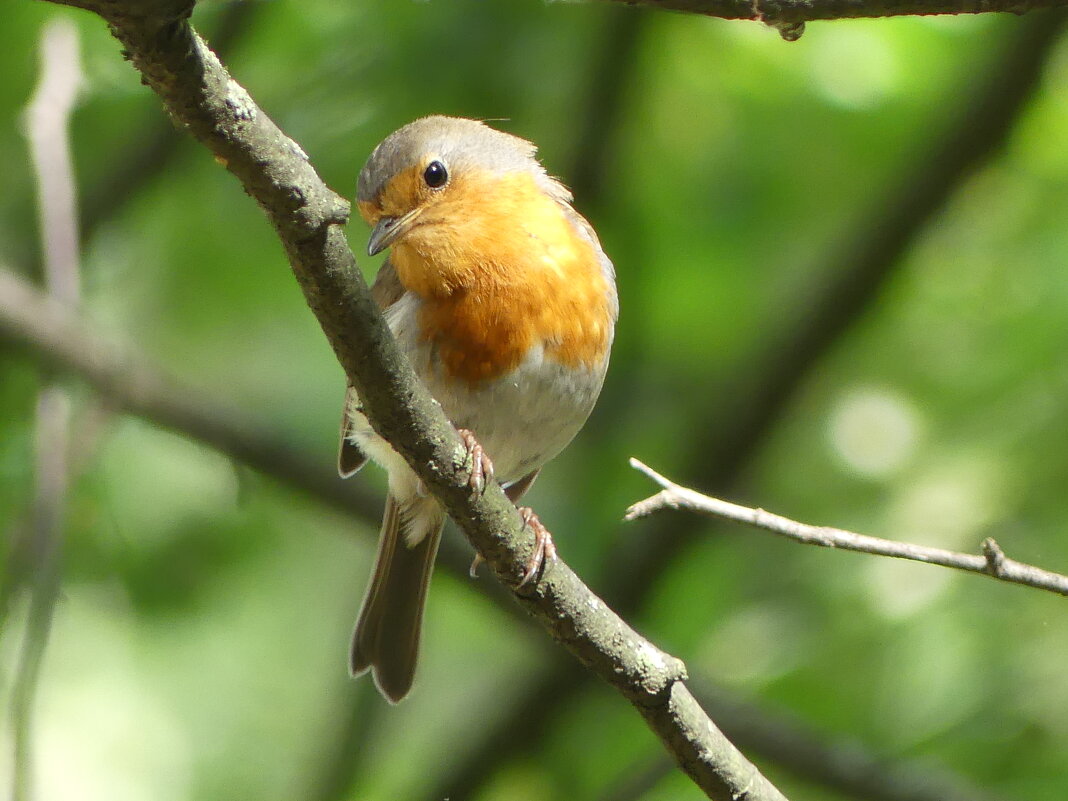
{"x": 481, "y": 466}
{"x": 544, "y": 548}
{"x": 481, "y": 470}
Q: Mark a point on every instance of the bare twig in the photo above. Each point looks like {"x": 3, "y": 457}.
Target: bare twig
{"x": 992, "y": 563}
{"x": 47, "y": 129}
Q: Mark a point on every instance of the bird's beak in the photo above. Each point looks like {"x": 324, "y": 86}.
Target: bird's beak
{"x": 388, "y": 229}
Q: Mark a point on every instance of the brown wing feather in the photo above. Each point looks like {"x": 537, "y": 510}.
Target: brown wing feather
{"x": 349, "y": 458}
{"x": 386, "y": 290}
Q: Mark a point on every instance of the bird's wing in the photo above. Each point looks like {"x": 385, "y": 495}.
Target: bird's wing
{"x": 386, "y": 290}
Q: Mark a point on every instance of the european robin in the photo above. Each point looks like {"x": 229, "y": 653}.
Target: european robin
{"x": 498, "y": 292}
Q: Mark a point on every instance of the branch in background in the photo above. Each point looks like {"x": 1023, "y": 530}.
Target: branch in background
{"x": 62, "y": 338}
{"x": 360, "y": 713}
{"x": 840, "y": 764}
{"x": 793, "y": 12}
{"x": 992, "y": 563}
{"x": 47, "y": 130}
{"x": 597, "y": 130}
{"x": 747, "y": 406}
{"x": 307, "y": 216}
{"x": 58, "y": 336}
{"x": 847, "y": 768}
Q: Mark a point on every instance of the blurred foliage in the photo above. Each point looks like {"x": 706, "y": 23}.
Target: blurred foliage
{"x": 199, "y": 646}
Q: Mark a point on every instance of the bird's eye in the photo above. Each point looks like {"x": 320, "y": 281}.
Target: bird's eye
{"x": 436, "y": 175}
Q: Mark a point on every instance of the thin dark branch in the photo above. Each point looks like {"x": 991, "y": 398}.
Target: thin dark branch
{"x": 801, "y": 11}
{"x": 344, "y": 755}
{"x": 992, "y": 562}
{"x": 307, "y": 216}
{"x": 839, "y": 764}
{"x": 611, "y": 74}
{"x": 62, "y": 338}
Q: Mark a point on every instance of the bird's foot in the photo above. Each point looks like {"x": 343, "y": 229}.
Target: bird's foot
{"x": 544, "y": 547}
{"x": 473, "y": 570}
{"x": 481, "y": 466}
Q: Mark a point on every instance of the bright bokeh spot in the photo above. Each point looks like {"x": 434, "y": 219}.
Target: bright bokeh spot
{"x": 856, "y": 67}
{"x": 874, "y": 431}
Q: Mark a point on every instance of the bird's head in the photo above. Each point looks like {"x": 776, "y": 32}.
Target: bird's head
{"x": 445, "y": 187}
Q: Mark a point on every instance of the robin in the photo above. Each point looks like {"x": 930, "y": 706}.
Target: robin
{"x": 498, "y": 292}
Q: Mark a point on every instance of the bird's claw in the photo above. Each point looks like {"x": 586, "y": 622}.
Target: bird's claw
{"x": 473, "y": 570}
{"x": 481, "y": 466}
{"x": 544, "y": 547}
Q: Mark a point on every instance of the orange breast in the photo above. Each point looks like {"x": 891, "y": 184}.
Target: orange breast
{"x": 502, "y": 269}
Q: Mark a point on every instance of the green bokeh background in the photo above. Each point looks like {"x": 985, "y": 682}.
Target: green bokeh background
{"x": 199, "y": 645}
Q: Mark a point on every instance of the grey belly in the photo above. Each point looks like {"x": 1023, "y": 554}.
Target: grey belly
{"x": 523, "y": 419}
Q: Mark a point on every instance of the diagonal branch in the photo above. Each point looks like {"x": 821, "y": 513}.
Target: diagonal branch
{"x": 62, "y": 338}
{"x": 307, "y": 216}
{"x": 993, "y": 562}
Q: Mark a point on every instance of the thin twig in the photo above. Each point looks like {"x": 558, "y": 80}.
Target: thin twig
{"x": 992, "y": 562}
{"x": 746, "y": 406}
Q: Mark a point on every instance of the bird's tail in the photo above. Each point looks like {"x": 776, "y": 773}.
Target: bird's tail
{"x": 387, "y": 631}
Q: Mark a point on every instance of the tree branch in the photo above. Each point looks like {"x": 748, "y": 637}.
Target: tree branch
{"x": 775, "y": 12}
{"x": 992, "y": 563}
{"x": 839, "y": 764}
{"x": 307, "y": 216}
{"x": 61, "y": 337}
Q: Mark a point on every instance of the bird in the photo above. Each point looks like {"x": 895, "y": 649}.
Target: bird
{"x": 499, "y": 294}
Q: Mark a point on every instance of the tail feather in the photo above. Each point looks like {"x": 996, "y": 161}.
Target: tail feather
{"x": 386, "y": 639}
